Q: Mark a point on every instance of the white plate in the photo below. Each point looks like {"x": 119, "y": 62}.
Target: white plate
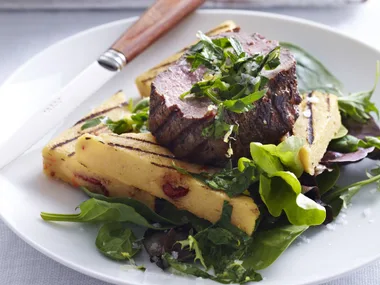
{"x": 25, "y": 191}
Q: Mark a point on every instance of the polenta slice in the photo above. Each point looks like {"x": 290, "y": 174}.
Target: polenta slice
{"x": 137, "y": 160}
{"x": 318, "y": 123}
{"x": 144, "y": 81}
{"x": 60, "y": 159}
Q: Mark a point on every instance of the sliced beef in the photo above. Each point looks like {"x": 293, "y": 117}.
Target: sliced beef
{"x": 178, "y": 124}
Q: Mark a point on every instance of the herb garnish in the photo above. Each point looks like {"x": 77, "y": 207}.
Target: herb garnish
{"x": 232, "y": 180}
{"x": 233, "y": 80}
{"x": 137, "y": 122}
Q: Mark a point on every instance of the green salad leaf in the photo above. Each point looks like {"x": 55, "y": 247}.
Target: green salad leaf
{"x": 341, "y": 132}
{"x": 350, "y": 143}
{"x": 142, "y": 209}
{"x": 234, "y": 272}
{"x": 220, "y": 247}
{"x": 327, "y": 179}
{"x": 192, "y": 244}
{"x": 358, "y": 106}
{"x": 287, "y": 152}
{"x": 98, "y": 211}
{"x": 268, "y": 245}
{"x": 311, "y": 73}
{"x": 262, "y": 158}
{"x": 340, "y": 197}
{"x": 117, "y": 242}
{"x": 282, "y": 192}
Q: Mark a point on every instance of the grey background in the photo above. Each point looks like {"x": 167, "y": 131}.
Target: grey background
{"x": 24, "y": 33}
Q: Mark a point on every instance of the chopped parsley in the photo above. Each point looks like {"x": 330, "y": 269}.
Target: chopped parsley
{"x": 137, "y": 122}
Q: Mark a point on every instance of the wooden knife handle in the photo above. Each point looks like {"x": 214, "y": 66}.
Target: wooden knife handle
{"x": 156, "y": 21}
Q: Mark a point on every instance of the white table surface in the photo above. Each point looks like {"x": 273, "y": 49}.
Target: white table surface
{"x": 23, "y": 34}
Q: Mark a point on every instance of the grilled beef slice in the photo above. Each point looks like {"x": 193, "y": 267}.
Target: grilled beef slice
{"x": 178, "y": 124}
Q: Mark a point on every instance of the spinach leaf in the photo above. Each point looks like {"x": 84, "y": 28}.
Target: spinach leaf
{"x": 141, "y": 208}
{"x": 282, "y": 192}
{"x": 349, "y": 143}
{"x": 117, "y": 242}
{"x": 268, "y": 245}
{"x": 327, "y": 179}
{"x": 177, "y": 216}
{"x": 358, "y": 106}
{"x": 97, "y": 211}
{"x": 311, "y": 73}
{"x": 340, "y": 197}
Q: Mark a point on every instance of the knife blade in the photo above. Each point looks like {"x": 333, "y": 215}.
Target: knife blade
{"x": 157, "y": 20}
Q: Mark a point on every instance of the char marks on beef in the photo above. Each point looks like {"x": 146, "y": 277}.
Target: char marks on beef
{"x": 178, "y": 124}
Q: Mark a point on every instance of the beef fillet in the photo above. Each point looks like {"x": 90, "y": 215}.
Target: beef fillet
{"x": 178, "y": 124}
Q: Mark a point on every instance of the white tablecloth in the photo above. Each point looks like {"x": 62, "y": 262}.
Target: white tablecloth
{"x": 22, "y": 34}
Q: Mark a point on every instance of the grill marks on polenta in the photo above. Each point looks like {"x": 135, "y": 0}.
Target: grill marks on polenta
{"x": 93, "y": 131}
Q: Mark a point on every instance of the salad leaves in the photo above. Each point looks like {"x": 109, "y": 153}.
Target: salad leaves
{"x": 178, "y": 218}
{"x": 340, "y": 197}
{"x": 97, "y": 211}
{"x": 234, "y": 273}
{"x": 137, "y": 122}
{"x": 350, "y": 143}
{"x": 358, "y": 106}
{"x": 117, "y": 242}
{"x": 268, "y": 245}
{"x": 282, "y": 192}
{"x": 313, "y": 75}
{"x": 285, "y": 153}
{"x": 220, "y": 247}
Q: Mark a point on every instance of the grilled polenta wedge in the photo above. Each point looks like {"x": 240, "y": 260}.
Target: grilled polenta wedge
{"x": 318, "y": 123}
{"x": 60, "y": 159}
{"x": 137, "y": 160}
{"x": 143, "y": 81}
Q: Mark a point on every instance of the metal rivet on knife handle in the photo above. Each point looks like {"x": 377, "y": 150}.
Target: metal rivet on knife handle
{"x": 155, "y": 22}
{"x": 112, "y": 60}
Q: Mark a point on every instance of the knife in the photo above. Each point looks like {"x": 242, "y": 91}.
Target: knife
{"x": 156, "y": 21}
